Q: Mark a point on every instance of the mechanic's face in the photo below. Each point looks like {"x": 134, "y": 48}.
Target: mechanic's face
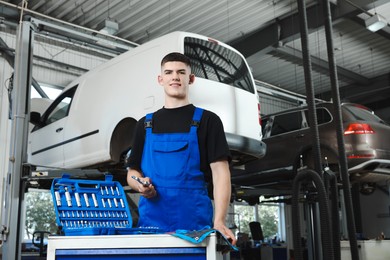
{"x": 175, "y": 78}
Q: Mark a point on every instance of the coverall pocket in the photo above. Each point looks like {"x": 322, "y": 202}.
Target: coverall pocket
{"x": 170, "y": 158}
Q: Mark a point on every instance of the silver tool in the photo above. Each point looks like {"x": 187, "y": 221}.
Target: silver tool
{"x": 95, "y": 203}
{"x": 77, "y": 197}
{"x": 68, "y": 198}
{"x": 144, "y": 183}
{"x": 86, "y": 200}
{"x": 58, "y": 198}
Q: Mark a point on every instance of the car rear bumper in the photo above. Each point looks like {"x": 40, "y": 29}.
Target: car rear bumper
{"x": 380, "y": 166}
{"x": 245, "y": 145}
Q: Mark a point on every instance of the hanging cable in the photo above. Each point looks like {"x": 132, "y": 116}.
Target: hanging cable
{"x": 332, "y": 190}
{"x": 326, "y": 231}
{"x": 339, "y": 131}
{"x": 309, "y": 87}
{"x": 313, "y": 123}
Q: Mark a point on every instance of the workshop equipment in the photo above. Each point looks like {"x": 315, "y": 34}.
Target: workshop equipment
{"x": 92, "y": 207}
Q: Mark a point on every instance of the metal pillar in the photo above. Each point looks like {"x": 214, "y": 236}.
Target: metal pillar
{"x": 14, "y": 193}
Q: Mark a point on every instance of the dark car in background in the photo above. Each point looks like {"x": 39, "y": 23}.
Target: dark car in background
{"x": 287, "y": 135}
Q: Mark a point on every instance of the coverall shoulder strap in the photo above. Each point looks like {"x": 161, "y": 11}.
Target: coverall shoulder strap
{"x": 196, "y": 118}
{"x": 148, "y": 124}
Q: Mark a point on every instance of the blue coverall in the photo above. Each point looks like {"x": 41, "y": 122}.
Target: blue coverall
{"x": 172, "y": 162}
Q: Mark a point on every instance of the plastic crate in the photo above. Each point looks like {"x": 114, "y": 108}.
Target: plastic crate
{"x": 92, "y": 207}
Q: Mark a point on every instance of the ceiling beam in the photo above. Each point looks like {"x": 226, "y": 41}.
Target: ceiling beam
{"x": 285, "y": 29}
{"x": 378, "y": 90}
{"x": 295, "y": 56}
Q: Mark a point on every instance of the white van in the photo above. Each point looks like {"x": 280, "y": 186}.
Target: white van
{"x": 91, "y": 124}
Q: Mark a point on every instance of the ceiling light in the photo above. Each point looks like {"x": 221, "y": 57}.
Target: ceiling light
{"x": 375, "y": 22}
{"x": 108, "y": 26}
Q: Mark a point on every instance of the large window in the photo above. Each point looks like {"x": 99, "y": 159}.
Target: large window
{"x": 270, "y": 216}
{"x": 210, "y": 60}
{"x": 40, "y": 215}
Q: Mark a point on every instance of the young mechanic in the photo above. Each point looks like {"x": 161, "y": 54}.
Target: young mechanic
{"x": 176, "y": 151}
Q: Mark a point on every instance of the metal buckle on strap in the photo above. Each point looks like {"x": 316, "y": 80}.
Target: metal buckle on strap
{"x": 195, "y": 123}
{"x": 148, "y": 124}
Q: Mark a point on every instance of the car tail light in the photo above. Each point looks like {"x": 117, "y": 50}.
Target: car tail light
{"x": 258, "y": 110}
{"x": 358, "y": 128}
{"x": 358, "y": 156}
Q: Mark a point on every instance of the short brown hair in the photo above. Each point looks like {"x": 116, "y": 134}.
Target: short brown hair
{"x": 176, "y": 56}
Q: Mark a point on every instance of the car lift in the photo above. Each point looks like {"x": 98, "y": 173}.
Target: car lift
{"x": 18, "y": 172}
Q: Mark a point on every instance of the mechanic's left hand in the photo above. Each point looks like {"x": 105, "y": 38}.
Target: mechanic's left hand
{"x": 226, "y": 232}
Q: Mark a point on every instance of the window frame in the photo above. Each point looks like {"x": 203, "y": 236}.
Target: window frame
{"x": 53, "y": 106}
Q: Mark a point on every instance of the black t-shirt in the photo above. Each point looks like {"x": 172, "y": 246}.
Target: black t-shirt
{"x": 211, "y": 135}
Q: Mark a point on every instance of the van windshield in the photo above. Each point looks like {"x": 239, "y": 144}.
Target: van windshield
{"x": 212, "y": 61}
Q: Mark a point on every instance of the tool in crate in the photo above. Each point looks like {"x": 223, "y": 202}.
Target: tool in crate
{"x": 93, "y": 207}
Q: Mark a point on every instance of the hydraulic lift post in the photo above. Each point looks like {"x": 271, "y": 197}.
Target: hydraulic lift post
{"x": 12, "y": 234}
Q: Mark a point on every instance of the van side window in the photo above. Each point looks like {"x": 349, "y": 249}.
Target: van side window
{"x": 59, "y": 108}
{"x": 286, "y": 123}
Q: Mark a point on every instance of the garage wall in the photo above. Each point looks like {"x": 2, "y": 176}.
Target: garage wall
{"x": 57, "y": 63}
{"x": 273, "y": 99}
{"x": 270, "y": 104}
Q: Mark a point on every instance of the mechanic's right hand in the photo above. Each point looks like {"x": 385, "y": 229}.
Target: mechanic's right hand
{"x": 147, "y": 191}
